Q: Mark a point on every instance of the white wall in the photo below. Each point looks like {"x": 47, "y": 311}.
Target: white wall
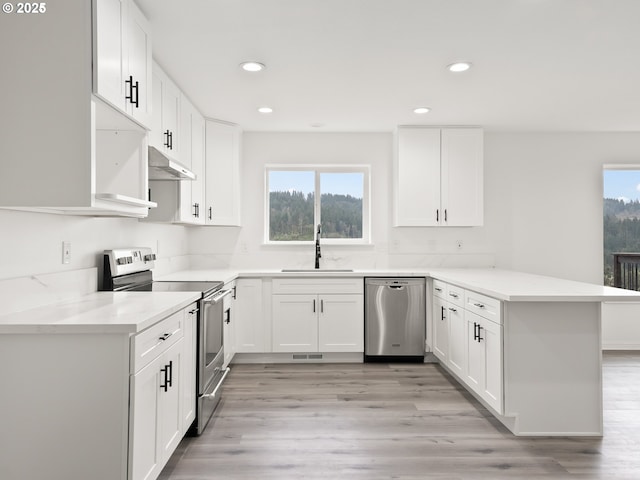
{"x": 547, "y": 192}
{"x": 392, "y": 247}
{"x": 31, "y": 243}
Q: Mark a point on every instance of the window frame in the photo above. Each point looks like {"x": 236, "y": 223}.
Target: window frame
{"x": 319, "y": 169}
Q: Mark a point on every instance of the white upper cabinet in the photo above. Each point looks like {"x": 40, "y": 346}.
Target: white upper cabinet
{"x": 182, "y": 201}
{"x": 191, "y": 203}
{"x": 438, "y": 176}
{"x": 166, "y": 112}
{"x": 76, "y": 154}
{"x": 222, "y": 169}
{"x": 122, "y": 58}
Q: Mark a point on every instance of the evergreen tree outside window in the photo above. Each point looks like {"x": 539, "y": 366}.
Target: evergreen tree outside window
{"x": 300, "y": 198}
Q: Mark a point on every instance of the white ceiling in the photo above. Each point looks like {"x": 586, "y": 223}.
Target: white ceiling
{"x": 363, "y": 65}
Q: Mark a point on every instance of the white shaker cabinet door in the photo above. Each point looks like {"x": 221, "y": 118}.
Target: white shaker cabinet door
{"x": 440, "y": 329}
{"x": 417, "y": 177}
{"x": 457, "y": 337}
{"x": 462, "y": 176}
{"x": 341, "y": 323}
{"x": 295, "y": 323}
{"x": 109, "y": 48}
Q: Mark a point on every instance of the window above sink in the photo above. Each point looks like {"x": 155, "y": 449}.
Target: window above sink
{"x": 300, "y": 197}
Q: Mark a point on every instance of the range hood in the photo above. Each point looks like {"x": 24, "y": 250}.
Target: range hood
{"x": 162, "y": 167}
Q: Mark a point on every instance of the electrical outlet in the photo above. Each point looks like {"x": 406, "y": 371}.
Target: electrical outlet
{"x": 459, "y": 244}
{"x": 66, "y": 252}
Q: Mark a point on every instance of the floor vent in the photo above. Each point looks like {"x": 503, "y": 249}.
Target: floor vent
{"x": 302, "y": 356}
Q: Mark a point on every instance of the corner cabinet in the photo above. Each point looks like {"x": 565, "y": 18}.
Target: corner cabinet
{"x": 318, "y": 315}
{"x": 438, "y": 176}
{"x": 222, "y": 170}
{"x": 90, "y": 158}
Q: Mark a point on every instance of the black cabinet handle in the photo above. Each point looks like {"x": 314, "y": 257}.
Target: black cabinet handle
{"x": 234, "y": 289}
{"x": 227, "y": 316}
{"x": 476, "y": 335}
{"x": 137, "y": 89}
{"x": 170, "y": 368}
{"x": 479, "y": 333}
{"x": 445, "y": 214}
{"x": 453, "y": 309}
{"x": 437, "y": 215}
{"x": 442, "y": 313}
{"x": 167, "y": 134}
{"x": 129, "y": 95}
{"x": 196, "y": 210}
{"x": 314, "y": 306}
{"x": 321, "y": 306}
{"x": 210, "y": 213}
{"x": 165, "y": 387}
{"x": 170, "y": 140}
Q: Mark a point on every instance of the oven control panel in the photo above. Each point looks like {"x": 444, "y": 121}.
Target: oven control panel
{"x": 130, "y": 260}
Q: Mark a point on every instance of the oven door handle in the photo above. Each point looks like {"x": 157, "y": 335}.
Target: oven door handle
{"x": 216, "y": 297}
{"x": 215, "y": 390}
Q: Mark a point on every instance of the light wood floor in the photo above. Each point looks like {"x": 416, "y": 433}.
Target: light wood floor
{"x": 395, "y": 421}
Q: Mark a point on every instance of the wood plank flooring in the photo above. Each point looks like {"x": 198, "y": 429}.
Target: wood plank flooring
{"x": 395, "y": 421}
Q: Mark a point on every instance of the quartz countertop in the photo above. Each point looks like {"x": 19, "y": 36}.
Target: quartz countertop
{"x": 99, "y": 312}
{"x": 505, "y": 285}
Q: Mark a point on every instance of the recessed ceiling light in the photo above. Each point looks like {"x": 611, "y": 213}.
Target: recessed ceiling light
{"x": 252, "y": 66}
{"x": 421, "y": 110}
{"x": 459, "y": 67}
{"x": 265, "y": 110}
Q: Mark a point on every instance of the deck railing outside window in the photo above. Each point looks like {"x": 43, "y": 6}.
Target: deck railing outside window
{"x": 626, "y": 270}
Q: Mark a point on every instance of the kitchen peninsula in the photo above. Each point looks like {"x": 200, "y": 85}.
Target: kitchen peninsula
{"x": 547, "y": 360}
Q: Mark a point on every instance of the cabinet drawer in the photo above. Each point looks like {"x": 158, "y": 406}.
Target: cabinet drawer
{"x": 295, "y": 285}
{"x": 455, "y": 295}
{"x": 155, "y": 340}
{"x": 439, "y": 289}
{"x": 486, "y": 307}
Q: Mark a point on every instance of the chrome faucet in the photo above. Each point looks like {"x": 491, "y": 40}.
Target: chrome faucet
{"x": 318, "y": 254}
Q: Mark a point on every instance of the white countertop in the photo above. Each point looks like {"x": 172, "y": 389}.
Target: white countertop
{"x": 100, "y": 312}
{"x": 504, "y": 285}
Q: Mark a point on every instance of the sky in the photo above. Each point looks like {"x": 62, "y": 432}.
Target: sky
{"x": 622, "y": 184}
{"x": 303, "y": 181}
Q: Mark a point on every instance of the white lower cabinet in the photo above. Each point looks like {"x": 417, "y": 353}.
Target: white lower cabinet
{"x": 440, "y": 329}
{"x": 188, "y": 368}
{"x": 162, "y": 392}
{"x": 484, "y": 361}
{"x": 295, "y": 323}
{"x": 248, "y": 318}
{"x": 229, "y": 324}
{"x": 319, "y": 315}
{"x": 467, "y": 338}
{"x": 155, "y": 414}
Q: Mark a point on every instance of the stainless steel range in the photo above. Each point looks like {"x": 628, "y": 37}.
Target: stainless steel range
{"x": 129, "y": 269}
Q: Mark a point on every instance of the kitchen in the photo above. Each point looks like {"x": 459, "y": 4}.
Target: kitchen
{"x": 529, "y": 168}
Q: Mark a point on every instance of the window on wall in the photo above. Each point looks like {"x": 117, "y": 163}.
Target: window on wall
{"x": 301, "y": 198}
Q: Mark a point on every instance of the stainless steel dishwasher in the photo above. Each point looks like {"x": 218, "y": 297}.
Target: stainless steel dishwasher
{"x": 395, "y": 318}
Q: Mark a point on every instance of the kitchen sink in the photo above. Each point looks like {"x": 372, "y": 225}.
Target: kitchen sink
{"x": 315, "y": 270}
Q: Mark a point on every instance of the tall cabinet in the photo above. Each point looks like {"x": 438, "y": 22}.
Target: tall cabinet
{"x": 438, "y": 176}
